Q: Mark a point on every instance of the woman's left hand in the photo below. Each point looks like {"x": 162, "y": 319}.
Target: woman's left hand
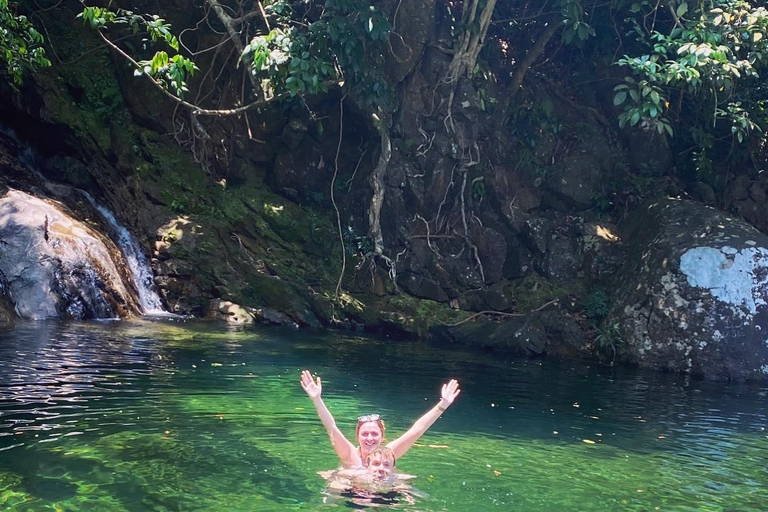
{"x": 450, "y": 392}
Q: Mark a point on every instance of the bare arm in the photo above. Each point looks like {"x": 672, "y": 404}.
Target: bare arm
{"x": 341, "y": 445}
{"x": 403, "y": 443}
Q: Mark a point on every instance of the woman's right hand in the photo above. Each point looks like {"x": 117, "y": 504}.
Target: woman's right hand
{"x": 312, "y": 387}
{"x": 449, "y": 392}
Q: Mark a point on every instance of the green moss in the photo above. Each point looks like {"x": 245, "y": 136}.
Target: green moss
{"x": 532, "y": 291}
{"x": 421, "y": 314}
{"x": 270, "y": 291}
{"x": 84, "y": 94}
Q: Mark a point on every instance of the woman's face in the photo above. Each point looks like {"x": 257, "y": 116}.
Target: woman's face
{"x": 369, "y": 435}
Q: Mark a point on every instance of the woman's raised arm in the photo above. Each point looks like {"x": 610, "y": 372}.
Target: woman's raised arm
{"x": 341, "y": 445}
{"x": 403, "y": 443}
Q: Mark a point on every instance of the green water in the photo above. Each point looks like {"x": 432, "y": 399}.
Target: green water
{"x": 168, "y": 416}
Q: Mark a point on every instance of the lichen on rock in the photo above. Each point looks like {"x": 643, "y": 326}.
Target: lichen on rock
{"x": 693, "y": 292}
{"x": 737, "y": 277}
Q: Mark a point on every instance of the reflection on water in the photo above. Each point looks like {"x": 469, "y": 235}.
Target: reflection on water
{"x": 173, "y": 415}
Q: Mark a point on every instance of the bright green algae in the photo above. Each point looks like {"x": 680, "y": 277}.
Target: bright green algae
{"x": 168, "y": 417}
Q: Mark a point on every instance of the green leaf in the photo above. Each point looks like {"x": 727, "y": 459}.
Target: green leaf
{"x": 682, "y": 9}
{"x": 620, "y": 98}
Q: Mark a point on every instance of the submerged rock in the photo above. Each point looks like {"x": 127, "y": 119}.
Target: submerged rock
{"x": 58, "y": 267}
{"x": 49, "y": 489}
{"x": 693, "y": 292}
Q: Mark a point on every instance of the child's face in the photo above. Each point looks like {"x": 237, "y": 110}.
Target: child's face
{"x": 379, "y": 468}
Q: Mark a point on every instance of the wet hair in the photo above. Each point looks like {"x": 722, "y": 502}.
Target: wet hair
{"x": 377, "y": 421}
{"x": 383, "y": 452}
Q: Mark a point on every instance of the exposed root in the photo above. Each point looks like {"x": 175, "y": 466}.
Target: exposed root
{"x": 335, "y": 206}
{"x": 354, "y": 173}
{"x": 470, "y": 43}
{"x": 429, "y": 243}
{"x": 500, "y": 313}
{"x": 467, "y": 237}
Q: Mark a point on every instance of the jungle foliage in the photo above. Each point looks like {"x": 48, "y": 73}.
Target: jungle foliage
{"x": 21, "y": 45}
{"x": 712, "y": 51}
{"x": 677, "y": 54}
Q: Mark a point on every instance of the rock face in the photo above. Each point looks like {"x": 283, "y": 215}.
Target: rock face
{"x": 693, "y": 292}
{"x": 57, "y": 267}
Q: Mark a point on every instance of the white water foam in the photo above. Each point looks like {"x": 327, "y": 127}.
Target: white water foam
{"x": 137, "y": 262}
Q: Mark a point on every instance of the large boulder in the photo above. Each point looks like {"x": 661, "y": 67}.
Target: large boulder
{"x": 58, "y": 267}
{"x": 692, "y": 295}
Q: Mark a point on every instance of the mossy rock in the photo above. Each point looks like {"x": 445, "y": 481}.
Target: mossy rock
{"x": 419, "y": 315}
{"x": 271, "y": 291}
{"x": 533, "y": 291}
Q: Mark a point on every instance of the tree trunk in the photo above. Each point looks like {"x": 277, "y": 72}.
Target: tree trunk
{"x": 377, "y": 184}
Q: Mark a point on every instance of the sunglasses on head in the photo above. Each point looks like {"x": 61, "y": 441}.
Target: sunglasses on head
{"x": 368, "y": 417}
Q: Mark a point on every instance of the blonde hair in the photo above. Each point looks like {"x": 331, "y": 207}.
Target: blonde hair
{"x": 383, "y": 452}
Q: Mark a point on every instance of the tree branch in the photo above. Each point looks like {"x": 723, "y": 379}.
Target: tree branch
{"x": 196, "y": 108}
{"x": 229, "y": 24}
{"x": 522, "y": 68}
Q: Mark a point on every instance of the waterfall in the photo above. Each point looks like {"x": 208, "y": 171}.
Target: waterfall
{"x": 134, "y": 257}
{"x": 137, "y": 262}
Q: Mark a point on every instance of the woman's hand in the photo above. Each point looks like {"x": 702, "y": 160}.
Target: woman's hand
{"x": 449, "y": 393}
{"x": 312, "y": 387}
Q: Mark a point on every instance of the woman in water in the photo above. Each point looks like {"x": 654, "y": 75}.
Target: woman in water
{"x": 370, "y": 428}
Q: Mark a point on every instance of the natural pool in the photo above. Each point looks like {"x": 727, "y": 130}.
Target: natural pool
{"x": 177, "y": 416}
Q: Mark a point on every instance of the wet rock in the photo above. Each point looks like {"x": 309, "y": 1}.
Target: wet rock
{"x": 271, "y": 316}
{"x": 229, "y": 312}
{"x": 56, "y": 266}
{"x": 537, "y": 334}
{"x": 693, "y": 295}
{"x": 69, "y": 170}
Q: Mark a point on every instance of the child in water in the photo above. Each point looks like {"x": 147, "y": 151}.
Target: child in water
{"x": 378, "y": 474}
{"x": 375, "y": 485}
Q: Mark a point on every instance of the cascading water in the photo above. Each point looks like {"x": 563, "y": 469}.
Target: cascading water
{"x": 134, "y": 257}
{"x": 137, "y": 262}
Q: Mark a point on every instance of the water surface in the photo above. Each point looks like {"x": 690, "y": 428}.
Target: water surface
{"x": 176, "y": 416}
